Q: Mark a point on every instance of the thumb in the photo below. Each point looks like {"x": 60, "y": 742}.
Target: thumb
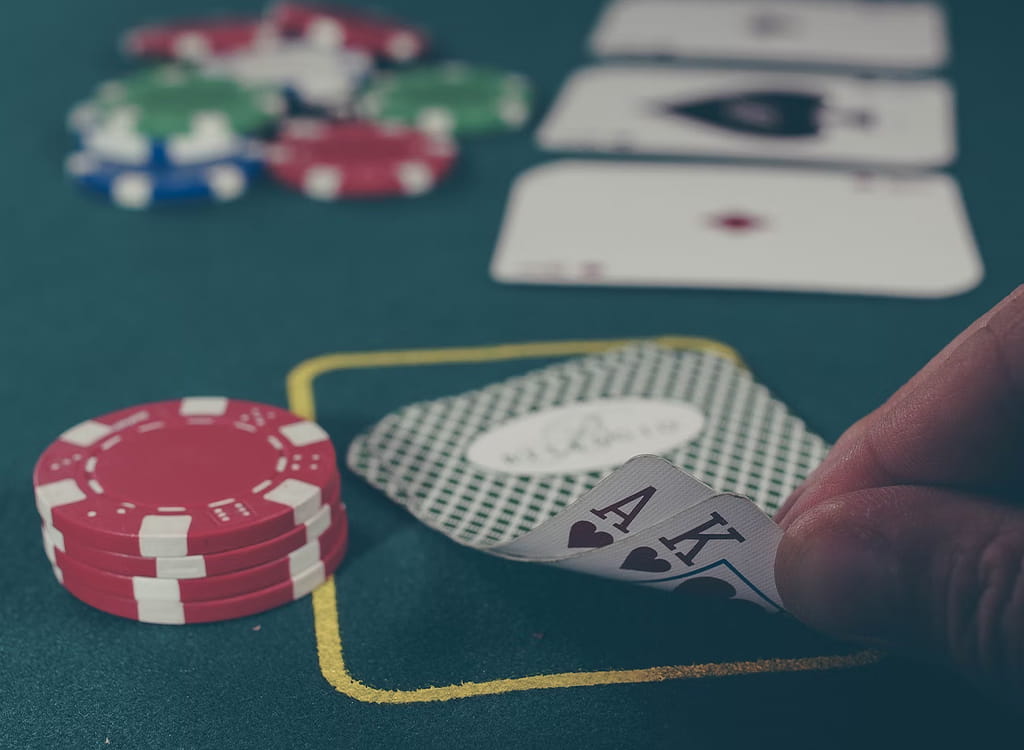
{"x": 925, "y": 571}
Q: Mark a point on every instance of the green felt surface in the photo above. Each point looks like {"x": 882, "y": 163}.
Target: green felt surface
{"x": 101, "y": 308}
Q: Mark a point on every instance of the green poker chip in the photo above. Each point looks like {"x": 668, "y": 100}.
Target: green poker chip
{"x": 172, "y": 100}
{"x": 450, "y": 99}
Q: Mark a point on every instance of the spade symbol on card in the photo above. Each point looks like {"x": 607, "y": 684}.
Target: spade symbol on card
{"x": 585, "y": 534}
{"x": 769, "y": 114}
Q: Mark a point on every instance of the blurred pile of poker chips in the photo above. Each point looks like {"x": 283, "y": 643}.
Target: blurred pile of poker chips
{"x": 329, "y": 101}
{"x": 194, "y": 510}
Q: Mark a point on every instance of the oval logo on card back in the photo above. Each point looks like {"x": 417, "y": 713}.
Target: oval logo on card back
{"x": 586, "y": 436}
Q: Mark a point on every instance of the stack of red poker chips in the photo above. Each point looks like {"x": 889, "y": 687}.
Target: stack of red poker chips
{"x": 193, "y": 510}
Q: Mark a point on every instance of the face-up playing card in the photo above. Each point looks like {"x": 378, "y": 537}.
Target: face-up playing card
{"x": 670, "y": 110}
{"x": 902, "y": 35}
{"x": 515, "y": 468}
{"x": 724, "y": 544}
{"x": 604, "y": 223}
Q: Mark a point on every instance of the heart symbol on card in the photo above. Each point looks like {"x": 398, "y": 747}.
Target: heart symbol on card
{"x": 585, "y": 534}
{"x": 645, "y": 559}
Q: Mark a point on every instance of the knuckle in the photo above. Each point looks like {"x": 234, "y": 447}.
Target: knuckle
{"x": 984, "y": 604}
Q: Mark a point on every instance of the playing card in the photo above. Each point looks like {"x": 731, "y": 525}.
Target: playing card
{"x": 723, "y": 546}
{"x": 603, "y": 223}
{"x": 489, "y": 466}
{"x": 900, "y": 35}
{"x": 671, "y": 110}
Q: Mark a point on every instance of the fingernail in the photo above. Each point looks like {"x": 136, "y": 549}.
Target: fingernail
{"x": 841, "y": 582}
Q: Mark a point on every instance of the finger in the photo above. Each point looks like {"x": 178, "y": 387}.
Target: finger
{"x": 923, "y": 570}
{"x": 959, "y": 422}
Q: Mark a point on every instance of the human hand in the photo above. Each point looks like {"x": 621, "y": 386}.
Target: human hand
{"x": 911, "y": 532}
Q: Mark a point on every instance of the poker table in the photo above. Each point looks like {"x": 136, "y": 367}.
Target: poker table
{"x": 344, "y": 312}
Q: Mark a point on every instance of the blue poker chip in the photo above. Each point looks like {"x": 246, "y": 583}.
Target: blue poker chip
{"x": 139, "y": 188}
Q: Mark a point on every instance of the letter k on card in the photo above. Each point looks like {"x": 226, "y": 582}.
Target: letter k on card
{"x": 722, "y": 544}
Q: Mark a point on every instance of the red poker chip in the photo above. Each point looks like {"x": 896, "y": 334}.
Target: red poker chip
{"x": 343, "y": 27}
{"x": 213, "y": 610}
{"x": 330, "y": 160}
{"x": 202, "y": 566}
{"x": 194, "y": 40}
{"x": 143, "y": 589}
{"x": 192, "y": 476}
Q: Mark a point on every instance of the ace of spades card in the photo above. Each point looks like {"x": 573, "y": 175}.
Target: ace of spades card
{"x": 645, "y": 464}
{"x": 777, "y": 116}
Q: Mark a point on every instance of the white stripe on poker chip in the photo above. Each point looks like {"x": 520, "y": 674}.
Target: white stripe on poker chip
{"x": 55, "y": 536}
{"x": 155, "y": 588}
{"x": 436, "y": 120}
{"x": 301, "y": 434}
{"x": 210, "y": 121}
{"x": 210, "y": 138}
{"x": 56, "y": 494}
{"x": 227, "y": 182}
{"x": 127, "y": 146}
{"x": 191, "y": 46}
{"x": 192, "y": 150}
{"x": 308, "y": 580}
{"x": 203, "y": 406}
{"x": 415, "y": 177}
{"x": 303, "y": 558}
{"x": 318, "y": 524}
{"x": 48, "y": 548}
{"x": 190, "y": 566}
{"x": 133, "y": 190}
{"x": 161, "y": 612}
{"x": 302, "y": 497}
{"x": 402, "y": 46}
{"x": 323, "y": 182}
{"x": 86, "y": 433}
{"x": 513, "y": 111}
{"x": 326, "y": 32}
{"x": 164, "y": 536}
{"x": 124, "y": 118}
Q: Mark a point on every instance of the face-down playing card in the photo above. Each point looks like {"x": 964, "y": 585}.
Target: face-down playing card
{"x": 902, "y": 35}
{"x": 629, "y": 223}
{"x": 514, "y": 468}
{"x": 777, "y": 116}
